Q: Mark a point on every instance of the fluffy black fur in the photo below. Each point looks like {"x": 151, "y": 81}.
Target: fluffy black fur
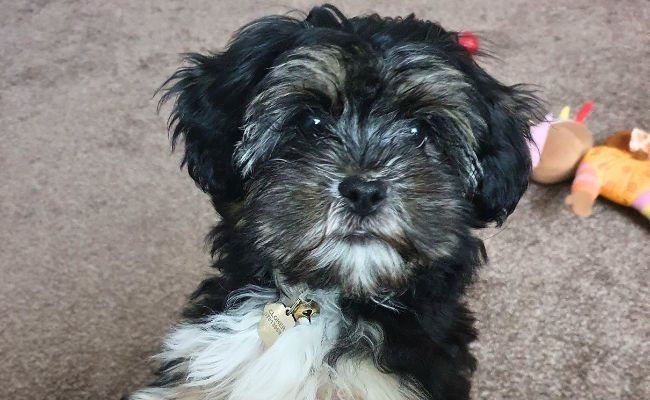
{"x": 250, "y": 143}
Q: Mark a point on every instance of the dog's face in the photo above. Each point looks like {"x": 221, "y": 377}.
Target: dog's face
{"x": 351, "y": 174}
{"x": 355, "y": 151}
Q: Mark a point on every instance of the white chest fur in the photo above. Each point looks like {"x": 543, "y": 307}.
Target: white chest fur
{"x": 224, "y": 359}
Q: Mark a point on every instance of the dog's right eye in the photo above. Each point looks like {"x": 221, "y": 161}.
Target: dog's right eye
{"x": 310, "y": 124}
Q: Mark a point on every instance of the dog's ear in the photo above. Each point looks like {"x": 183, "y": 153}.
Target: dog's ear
{"x": 502, "y": 142}
{"x": 503, "y": 151}
{"x": 211, "y": 93}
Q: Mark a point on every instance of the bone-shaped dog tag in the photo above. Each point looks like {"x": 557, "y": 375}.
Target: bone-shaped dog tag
{"x": 276, "y": 318}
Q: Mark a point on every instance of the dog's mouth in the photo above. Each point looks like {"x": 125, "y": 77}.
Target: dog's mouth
{"x": 363, "y": 237}
{"x": 357, "y": 236}
{"x": 372, "y": 233}
{"x": 360, "y": 236}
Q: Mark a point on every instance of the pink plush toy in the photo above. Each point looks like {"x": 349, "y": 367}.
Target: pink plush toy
{"x": 559, "y": 145}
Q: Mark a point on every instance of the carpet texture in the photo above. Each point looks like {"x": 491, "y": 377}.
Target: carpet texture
{"x": 101, "y": 237}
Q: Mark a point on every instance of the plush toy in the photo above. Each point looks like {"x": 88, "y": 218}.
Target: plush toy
{"x": 559, "y": 145}
{"x": 618, "y": 170}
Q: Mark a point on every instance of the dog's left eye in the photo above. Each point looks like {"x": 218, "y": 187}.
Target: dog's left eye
{"x": 418, "y": 132}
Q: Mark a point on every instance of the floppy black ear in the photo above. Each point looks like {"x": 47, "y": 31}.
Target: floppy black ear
{"x": 503, "y": 151}
{"x": 211, "y": 93}
{"x": 502, "y": 142}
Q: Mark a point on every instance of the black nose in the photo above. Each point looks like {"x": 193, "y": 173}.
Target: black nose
{"x": 363, "y": 197}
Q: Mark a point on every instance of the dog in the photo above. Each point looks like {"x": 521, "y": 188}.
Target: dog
{"x": 350, "y": 161}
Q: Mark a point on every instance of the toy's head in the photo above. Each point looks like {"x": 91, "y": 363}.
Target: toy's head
{"x": 558, "y": 147}
{"x": 636, "y": 141}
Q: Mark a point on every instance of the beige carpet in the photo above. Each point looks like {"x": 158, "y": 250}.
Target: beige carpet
{"x": 101, "y": 234}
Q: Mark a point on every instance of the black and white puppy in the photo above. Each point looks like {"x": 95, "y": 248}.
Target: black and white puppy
{"x": 349, "y": 160}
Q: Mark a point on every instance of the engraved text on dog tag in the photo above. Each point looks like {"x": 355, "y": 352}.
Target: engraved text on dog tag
{"x": 276, "y": 319}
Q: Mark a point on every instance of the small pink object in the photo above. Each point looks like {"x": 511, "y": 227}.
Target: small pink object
{"x": 539, "y": 133}
{"x": 469, "y": 41}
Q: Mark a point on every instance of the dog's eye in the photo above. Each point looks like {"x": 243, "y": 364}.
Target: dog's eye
{"x": 417, "y": 128}
{"x": 417, "y": 131}
{"x": 310, "y": 124}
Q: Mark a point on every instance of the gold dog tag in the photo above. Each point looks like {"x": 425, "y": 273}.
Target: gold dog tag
{"x": 276, "y": 318}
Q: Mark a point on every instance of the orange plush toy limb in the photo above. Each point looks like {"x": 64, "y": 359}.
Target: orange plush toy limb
{"x": 559, "y": 145}
{"x": 618, "y": 170}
